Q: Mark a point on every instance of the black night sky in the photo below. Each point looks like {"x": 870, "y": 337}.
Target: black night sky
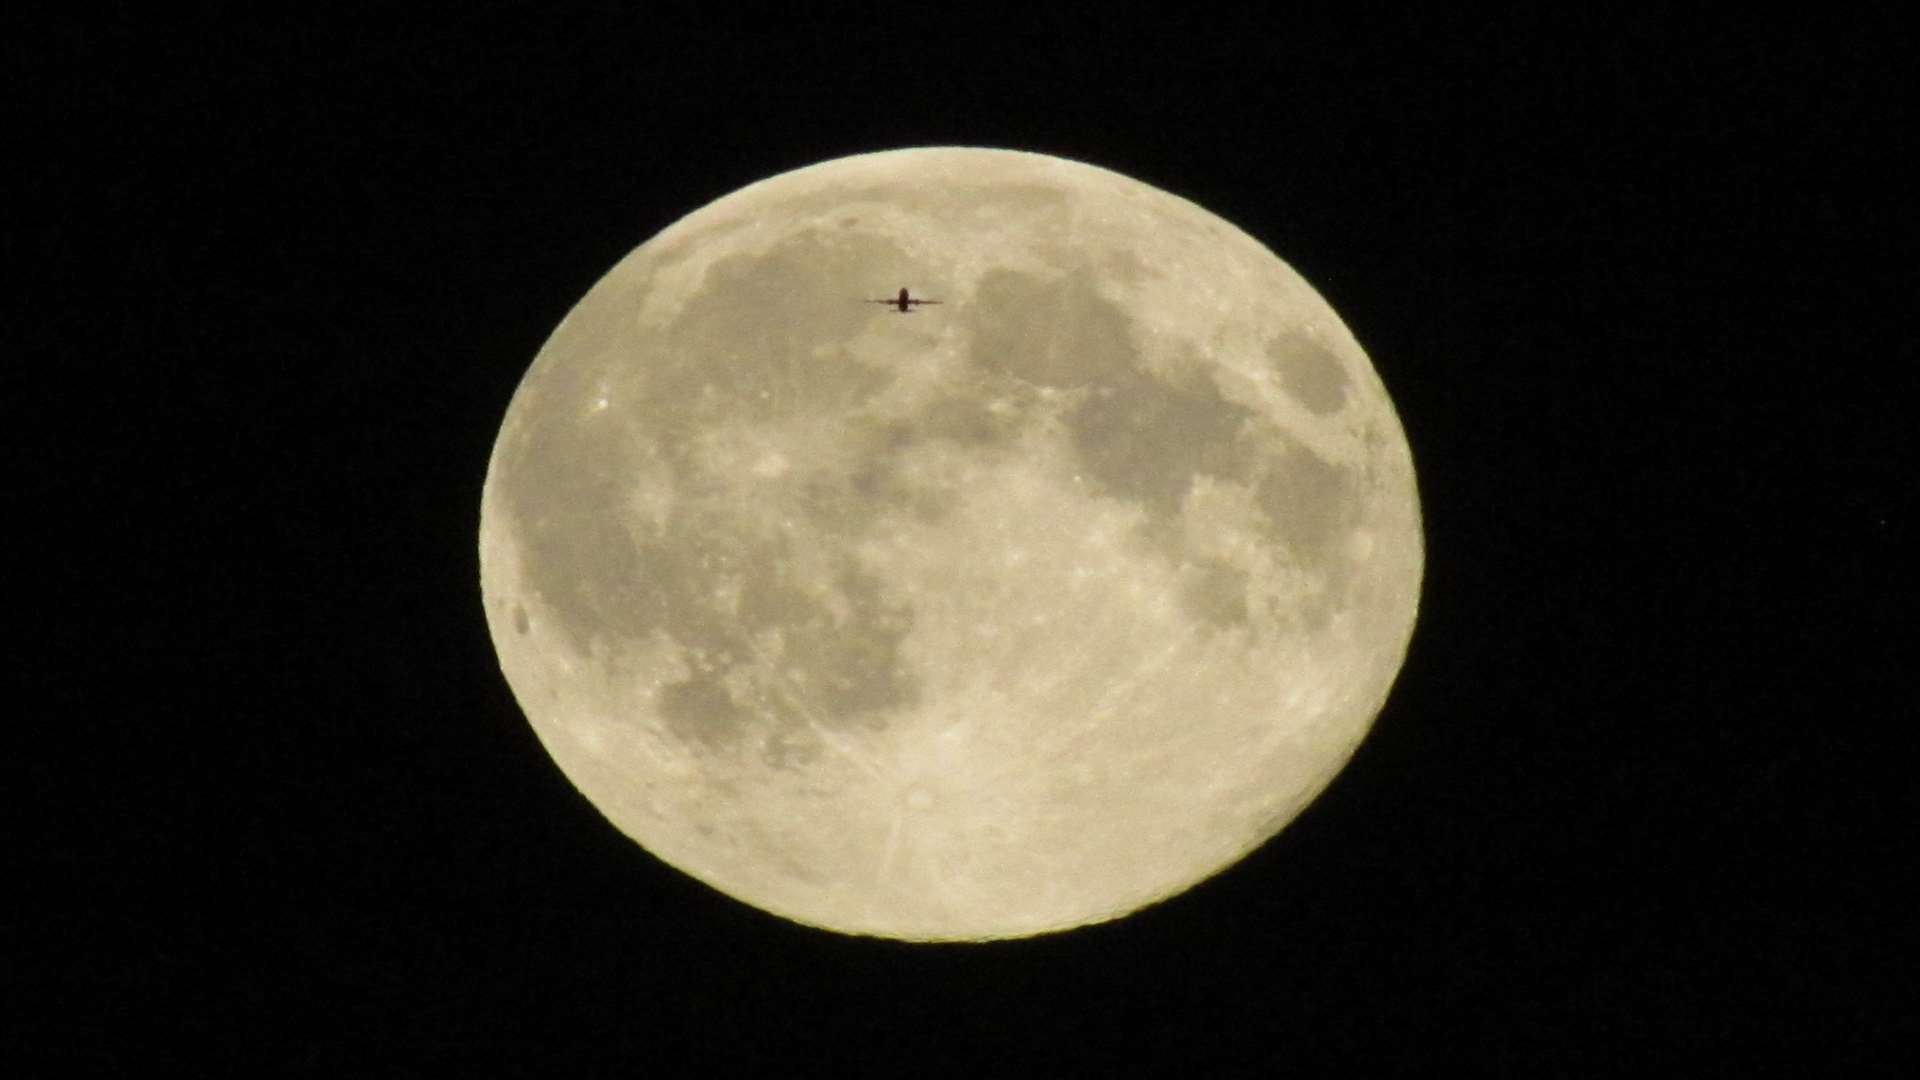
{"x": 1632, "y": 285}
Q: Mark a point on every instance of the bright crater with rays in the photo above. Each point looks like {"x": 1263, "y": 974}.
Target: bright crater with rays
{"x": 1006, "y": 616}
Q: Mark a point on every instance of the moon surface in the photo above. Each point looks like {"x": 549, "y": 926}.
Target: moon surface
{"x": 1006, "y": 616}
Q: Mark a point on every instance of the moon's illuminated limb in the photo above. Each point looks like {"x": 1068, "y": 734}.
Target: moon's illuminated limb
{"x": 1014, "y": 615}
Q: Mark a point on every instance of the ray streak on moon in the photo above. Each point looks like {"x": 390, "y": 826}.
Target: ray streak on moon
{"x": 1004, "y": 616}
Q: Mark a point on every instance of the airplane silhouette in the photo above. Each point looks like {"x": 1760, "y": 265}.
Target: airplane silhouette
{"x": 903, "y": 303}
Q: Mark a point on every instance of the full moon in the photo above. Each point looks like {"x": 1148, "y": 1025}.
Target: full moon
{"x": 990, "y": 618}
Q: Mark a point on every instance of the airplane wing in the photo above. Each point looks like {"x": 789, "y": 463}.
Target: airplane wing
{"x": 923, "y": 301}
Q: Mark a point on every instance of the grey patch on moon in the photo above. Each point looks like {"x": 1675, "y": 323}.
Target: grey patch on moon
{"x": 582, "y": 562}
{"x": 1053, "y": 333}
{"x": 1309, "y": 505}
{"x": 1215, "y": 593}
{"x": 1144, "y": 439}
{"x": 794, "y": 299}
{"x": 910, "y": 471}
{"x": 1312, "y": 375}
{"x": 772, "y": 647}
